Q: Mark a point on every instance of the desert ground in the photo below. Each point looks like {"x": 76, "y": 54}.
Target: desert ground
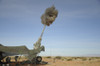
{"x": 67, "y": 61}
{"x": 72, "y": 61}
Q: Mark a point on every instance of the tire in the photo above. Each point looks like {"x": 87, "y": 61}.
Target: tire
{"x": 38, "y": 59}
{"x": 0, "y": 58}
{"x": 16, "y": 58}
{"x": 8, "y": 59}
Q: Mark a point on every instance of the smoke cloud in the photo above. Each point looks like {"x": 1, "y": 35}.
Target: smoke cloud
{"x": 49, "y": 16}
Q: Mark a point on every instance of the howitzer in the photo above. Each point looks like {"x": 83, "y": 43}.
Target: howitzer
{"x": 47, "y": 18}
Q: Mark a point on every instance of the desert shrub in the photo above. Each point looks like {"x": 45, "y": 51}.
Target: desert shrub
{"x": 75, "y": 58}
{"x": 69, "y": 59}
{"x": 84, "y": 59}
{"x": 58, "y": 57}
{"x": 97, "y": 57}
{"x": 90, "y": 59}
{"x": 48, "y": 57}
{"x": 93, "y": 58}
{"x": 78, "y": 57}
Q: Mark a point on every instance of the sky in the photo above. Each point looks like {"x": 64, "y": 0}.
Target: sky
{"x": 75, "y": 32}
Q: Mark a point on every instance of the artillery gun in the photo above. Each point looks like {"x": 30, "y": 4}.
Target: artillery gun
{"x": 47, "y": 18}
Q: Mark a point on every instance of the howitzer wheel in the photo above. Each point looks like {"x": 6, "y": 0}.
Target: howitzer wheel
{"x": 0, "y": 57}
{"x": 8, "y": 60}
{"x": 38, "y": 59}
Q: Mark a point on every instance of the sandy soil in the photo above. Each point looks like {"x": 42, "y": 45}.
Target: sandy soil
{"x": 56, "y": 62}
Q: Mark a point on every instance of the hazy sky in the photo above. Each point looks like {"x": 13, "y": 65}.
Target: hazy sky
{"x": 75, "y": 32}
